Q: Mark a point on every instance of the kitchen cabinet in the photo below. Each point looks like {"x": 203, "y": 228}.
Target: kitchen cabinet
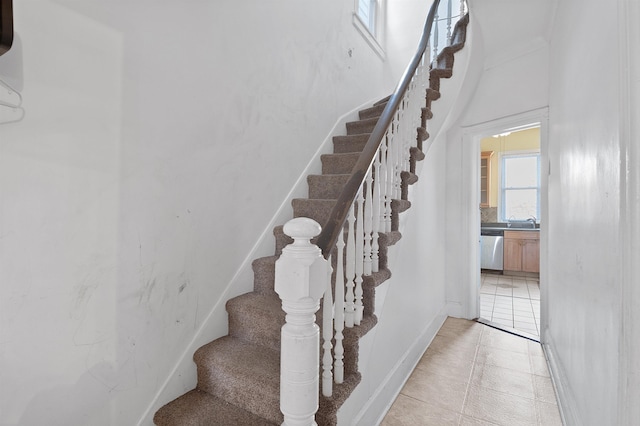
{"x": 485, "y": 178}
{"x": 522, "y": 251}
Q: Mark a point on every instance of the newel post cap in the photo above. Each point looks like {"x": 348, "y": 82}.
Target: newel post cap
{"x": 302, "y": 228}
{"x": 301, "y": 270}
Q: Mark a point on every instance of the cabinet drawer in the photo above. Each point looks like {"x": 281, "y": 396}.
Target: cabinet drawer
{"x": 522, "y": 235}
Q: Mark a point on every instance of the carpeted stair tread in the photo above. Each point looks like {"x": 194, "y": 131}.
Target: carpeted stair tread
{"x": 198, "y": 408}
{"x": 433, "y": 95}
{"x": 242, "y": 374}
{"x": 374, "y": 111}
{"x": 361, "y": 126}
{"x": 390, "y": 238}
{"x": 256, "y": 318}
{"x": 350, "y": 143}
{"x": 338, "y": 164}
{"x": 459, "y": 35}
{"x": 417, "y": 154}
{"x": 326, "y": 186}
{"x": 328, "y": 407}
{"x": 421, "y": 134}
{"x": 441, "y": 72}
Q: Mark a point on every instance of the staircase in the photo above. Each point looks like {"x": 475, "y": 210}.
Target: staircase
{"x": 238, "y": 379}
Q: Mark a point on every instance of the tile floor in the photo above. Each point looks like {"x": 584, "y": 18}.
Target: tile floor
{"x": 473, "y": 374}
{"x": 512, "y": 302}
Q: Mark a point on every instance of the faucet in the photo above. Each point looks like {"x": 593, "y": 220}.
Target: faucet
{"x": 532, "y": 219}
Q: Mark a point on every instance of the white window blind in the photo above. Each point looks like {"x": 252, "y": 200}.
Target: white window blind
{"x": 367, "y": 14}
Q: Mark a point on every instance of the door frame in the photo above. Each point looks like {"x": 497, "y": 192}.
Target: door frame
{"x": 472, "y": 135}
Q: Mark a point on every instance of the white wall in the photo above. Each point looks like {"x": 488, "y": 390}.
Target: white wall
{"x": 159, "y": 140}
{"x": 586, "y": 329}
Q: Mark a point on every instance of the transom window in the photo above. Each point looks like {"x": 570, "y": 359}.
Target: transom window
{"x": 520, "y": 186}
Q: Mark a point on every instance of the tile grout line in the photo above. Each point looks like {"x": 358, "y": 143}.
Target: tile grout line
{"x": 473, "y": 368}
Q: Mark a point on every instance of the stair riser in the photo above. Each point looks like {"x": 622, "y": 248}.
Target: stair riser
{"x": 225, "y": 386}
{"x": 362, "y": 126}
{"x": 338, "y": 164}
{"x": 326, "y": 187}
{"x": 263, "y": 275}
{"x": 243, "y": 324}
{"x": 347, "y": 144}
{"x": 372, "y": 112}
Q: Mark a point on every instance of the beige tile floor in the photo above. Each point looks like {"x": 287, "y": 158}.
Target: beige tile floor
{"x": 512, "y": 302}
{"x": 473, "y": 374}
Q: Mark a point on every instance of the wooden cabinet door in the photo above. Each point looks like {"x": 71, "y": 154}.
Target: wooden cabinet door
{"x": 531, "y": 256}
{"x": 512, "y": 254}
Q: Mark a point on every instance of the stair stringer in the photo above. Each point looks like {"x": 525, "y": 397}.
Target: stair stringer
{"x": 182, "y": 377}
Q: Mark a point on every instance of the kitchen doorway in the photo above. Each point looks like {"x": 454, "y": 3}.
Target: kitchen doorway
{"x": 515, "y": 299}
{"x": 509, "y": 231}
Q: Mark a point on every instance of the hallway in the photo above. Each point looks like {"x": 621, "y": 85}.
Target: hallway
{"x": 473, "y": 374}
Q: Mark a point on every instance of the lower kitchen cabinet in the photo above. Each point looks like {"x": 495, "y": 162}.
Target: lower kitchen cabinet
{"x": 522, "y": 251}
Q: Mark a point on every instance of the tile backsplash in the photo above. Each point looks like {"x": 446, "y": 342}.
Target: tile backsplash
{"x": 488, "y": 214}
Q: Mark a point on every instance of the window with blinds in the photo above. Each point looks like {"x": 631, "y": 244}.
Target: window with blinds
{"x": 367, "y": 14}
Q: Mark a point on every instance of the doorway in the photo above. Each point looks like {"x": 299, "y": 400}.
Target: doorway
{"x": 496, "y": 283}
{"x": 510, "y": 245}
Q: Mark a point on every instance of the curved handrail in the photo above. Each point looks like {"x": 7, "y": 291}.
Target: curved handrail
{"x": 329, "y": 235}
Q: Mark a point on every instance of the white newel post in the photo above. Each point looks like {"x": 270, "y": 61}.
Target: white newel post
{"x": 300, "y": 281}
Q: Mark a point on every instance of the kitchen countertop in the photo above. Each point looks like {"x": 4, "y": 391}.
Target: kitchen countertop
{"x": 514, "y": 226}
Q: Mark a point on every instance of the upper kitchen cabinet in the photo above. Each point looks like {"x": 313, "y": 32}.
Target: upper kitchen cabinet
{"x": 485, "y": 178}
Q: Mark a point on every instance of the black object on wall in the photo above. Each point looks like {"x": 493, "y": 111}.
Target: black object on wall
{"x": 6, "y": 26}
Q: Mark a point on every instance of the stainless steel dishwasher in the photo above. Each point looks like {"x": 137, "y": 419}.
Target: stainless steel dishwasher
{"x": 491, "y": 249}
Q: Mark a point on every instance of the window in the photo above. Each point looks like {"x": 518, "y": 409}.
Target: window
{"x": 368, "y": 18}
{"x": 367, "y": 14}
{"x": 520, "y": 186}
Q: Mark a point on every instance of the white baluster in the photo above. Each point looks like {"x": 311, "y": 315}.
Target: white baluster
{"x": 368, "y": 226}
{"x": 397, "y": 155}
{"x": 338, "y": 321}
{"x": 391, "y": 178}
{"x": 375, "y": 248}
{"x": 349, "y": 305}
{"x": 448, "y": 22}
{"x": 327, "y": 336}
{"x": 300, "y": 281}
{"x": 435, "y": 41}
{"x": 359, "y": 258}
{"x": 383, "y": 182}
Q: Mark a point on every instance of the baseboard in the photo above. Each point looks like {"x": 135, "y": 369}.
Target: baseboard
{"x": 182, "y": 377}
{"x": 566, "y": 402}
{"x": 374, "y": 410}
